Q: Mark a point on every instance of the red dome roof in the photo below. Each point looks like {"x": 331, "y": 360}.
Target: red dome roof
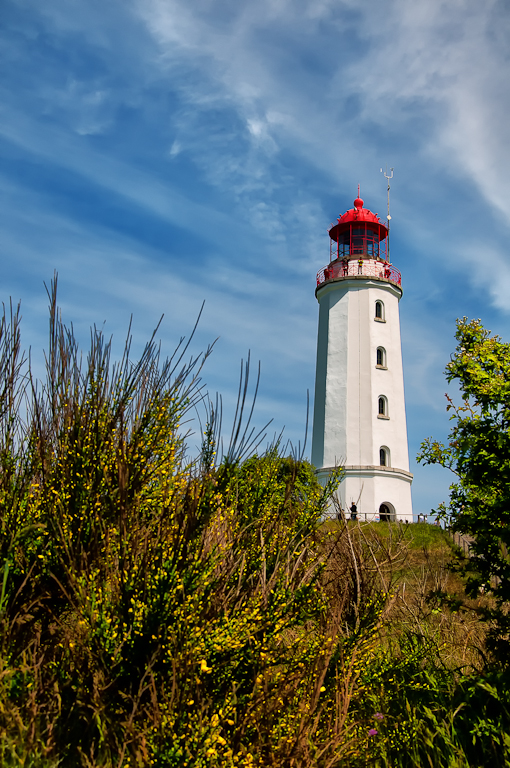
{"x": 358, "y": 214}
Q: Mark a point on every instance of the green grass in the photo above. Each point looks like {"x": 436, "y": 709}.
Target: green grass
{"x": 425, "y": 535}
{"x": 417, "y": 535}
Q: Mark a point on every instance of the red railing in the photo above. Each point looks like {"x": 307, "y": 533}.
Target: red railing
{"x": 353, "y": 268}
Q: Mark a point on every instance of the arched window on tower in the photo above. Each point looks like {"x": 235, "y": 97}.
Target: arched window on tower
{"x": 382, "y": 407}
{"x": 384, "y": 456}
{"x": 380, "y": 357}
{"x": 379, "y": 311}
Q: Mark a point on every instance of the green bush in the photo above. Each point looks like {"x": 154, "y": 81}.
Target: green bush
{"x": 478, "y": 453}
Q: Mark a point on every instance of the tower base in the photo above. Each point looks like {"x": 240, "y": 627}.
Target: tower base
{"x": 379, "y": 493}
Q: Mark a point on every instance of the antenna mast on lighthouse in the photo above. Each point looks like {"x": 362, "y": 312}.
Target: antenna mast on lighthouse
{"x": 388, "y": 176}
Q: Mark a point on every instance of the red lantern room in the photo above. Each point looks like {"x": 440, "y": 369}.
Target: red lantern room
{"x": 358, "y": 248}
{"x": 359, "y": 234}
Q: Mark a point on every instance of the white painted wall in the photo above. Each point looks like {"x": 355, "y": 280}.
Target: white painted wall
{"x": 346, "y": 427}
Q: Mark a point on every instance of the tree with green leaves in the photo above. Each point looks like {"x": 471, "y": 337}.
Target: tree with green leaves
{"x": 478, "y": 452}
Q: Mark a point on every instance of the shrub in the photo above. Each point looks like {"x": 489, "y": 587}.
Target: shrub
{"x": 154, "y": 611}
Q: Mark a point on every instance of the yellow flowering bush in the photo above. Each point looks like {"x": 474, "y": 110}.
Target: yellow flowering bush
{"x": 153, "y": 610}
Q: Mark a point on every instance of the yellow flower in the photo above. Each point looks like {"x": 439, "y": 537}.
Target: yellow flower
{"x": 204, "y": 667}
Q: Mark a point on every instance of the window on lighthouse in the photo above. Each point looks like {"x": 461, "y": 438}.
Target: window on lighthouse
{"x": 381, "y": 357}
{"x": 358, "y": 240}
{"x": 382, "y": 407}
{"x": 379, "y": 311}
{"x": 384, "y": 457}
{"x": 372, "y": 243}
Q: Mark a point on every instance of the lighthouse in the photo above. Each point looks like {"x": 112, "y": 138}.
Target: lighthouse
{"x": 359, "y": 419}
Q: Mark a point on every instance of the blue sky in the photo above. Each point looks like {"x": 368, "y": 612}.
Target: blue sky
{"x": 159, "y": 153}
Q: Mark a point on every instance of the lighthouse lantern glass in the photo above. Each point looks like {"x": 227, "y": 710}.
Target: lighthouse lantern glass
{"x": 357, "y": 240}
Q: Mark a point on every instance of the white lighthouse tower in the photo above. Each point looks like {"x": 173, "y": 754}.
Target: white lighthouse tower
{"x": 359, "y": 412}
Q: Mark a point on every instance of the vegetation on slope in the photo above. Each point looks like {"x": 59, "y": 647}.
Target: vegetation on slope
{"x": 157, "y": 611}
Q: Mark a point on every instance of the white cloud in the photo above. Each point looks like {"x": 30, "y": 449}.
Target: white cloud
{"x": 175, "y": 149}
{"x": 490, "y": 270}
{"x": 105, "y": 170}
{"x": 451, "y": 57}
{"x": 445, "y": 61}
